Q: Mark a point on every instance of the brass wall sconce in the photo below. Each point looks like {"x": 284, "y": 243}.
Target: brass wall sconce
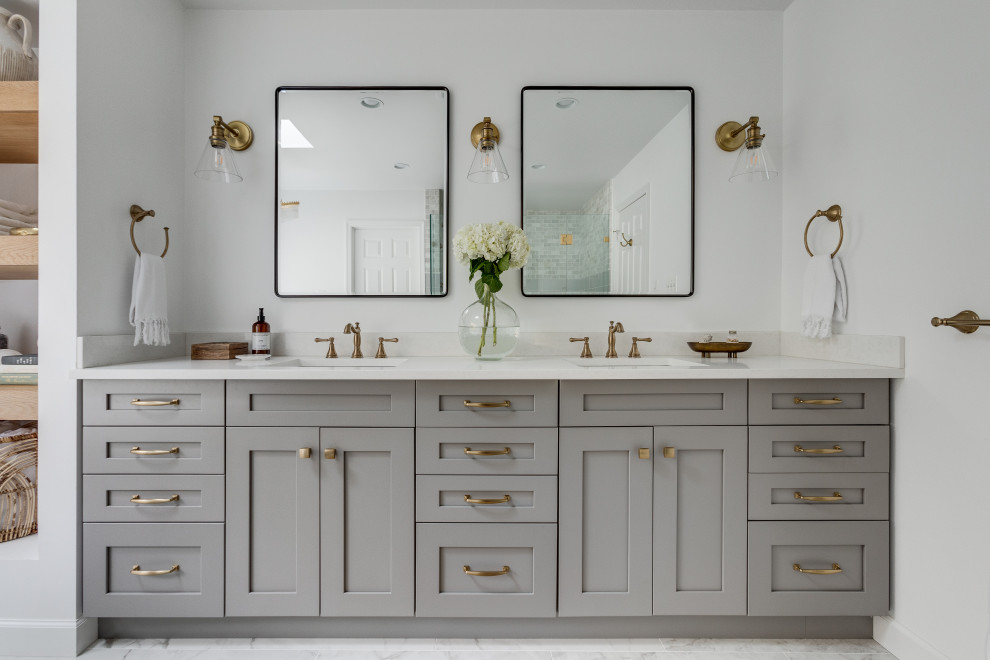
{"x": 217, "y": 161}
{"x": 487, "y": 166}
{"x": 753, "y": 164}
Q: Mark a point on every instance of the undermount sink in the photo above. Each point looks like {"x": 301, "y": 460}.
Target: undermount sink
{"x": 343, "y": 363}
{"x": 633, "y": 362}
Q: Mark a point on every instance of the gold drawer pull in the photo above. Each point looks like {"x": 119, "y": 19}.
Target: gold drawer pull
{"x": 836, "y": 449}
{"x": 486, "y": 404}
{"x": 136, "y": 570}
{"x": 305, "y": 452}
{"x": 818, "y": 571}
{"x": 644, "y": 453}
{"x": 161, "y": 500}
{"x": 670, "y": 452}
{"x": 139, "y": 402}
{"x": 834, "y": 497}
{"x": 501, "y": 500}
{"x": 330, "y": 454}
{"x": 153, "y": 452}
{"x": 467, "y": 571}
{"x": 818, "y": 402}
{"x": 487, "y": 452}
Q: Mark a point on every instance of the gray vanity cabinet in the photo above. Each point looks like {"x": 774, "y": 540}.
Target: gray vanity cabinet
{"x": 699, "y": 520}
{"x": 605, "y": 521}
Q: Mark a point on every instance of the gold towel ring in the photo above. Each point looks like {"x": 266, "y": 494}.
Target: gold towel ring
{"x": 833, "y": 214}
{"x": 137, "y": 215}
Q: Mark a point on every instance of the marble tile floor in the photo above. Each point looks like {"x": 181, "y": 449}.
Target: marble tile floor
{"x": 484, "y": 649}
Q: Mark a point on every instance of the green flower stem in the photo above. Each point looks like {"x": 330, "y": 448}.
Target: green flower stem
{"x": 488, "y": 302}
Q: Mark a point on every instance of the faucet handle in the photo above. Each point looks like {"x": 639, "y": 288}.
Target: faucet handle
{"x": 381, "y": 346}
{"x": 331, "y": 351}
{"x": 634, "y": 351}
{"x": 586, "y": 350}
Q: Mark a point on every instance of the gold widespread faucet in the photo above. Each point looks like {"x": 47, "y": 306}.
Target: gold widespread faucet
{"x": 331, "y": 351}
{"x": 381, "y": 346}
{"x": 355, "y": 329}
{"x": 613, "y": 328}
{"x": 634, "y": 351}
{"x": 586, "y": 350}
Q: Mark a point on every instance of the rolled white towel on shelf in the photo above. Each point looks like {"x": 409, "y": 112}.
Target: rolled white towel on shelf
{"x": 149, "y": 301}
{"x": 23, "y": 209}
{"x": 13, "y": 222}
{"x": 825, "y": 296}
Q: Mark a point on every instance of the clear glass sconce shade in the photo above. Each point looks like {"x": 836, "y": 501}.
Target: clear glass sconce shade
{"x": 217, "y": 164}
{"x": 487, "y": 166}
{"x": 753, "y": 166}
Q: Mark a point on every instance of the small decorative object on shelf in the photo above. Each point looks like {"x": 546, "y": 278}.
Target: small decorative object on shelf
{"x": 489, "y": 249}
{"x": 18, "y": 481}
{"x": 17, "y": 60}
{"x": 706, "y": 348}
{"x": 733, "y": 338}
{"x": 3, "y": 341}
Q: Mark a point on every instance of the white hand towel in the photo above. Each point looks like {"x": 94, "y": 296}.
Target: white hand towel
{"x": 824, "y": 288}
{"x": 149, "y": 301}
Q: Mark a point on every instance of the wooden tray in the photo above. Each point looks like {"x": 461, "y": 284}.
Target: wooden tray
{"x": 706, "y": 348}
{"x": 218, "y": 350}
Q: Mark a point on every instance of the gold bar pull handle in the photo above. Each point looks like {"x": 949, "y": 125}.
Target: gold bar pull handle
{"x": 330, "y": 454}
{"x": 487, "y": 452}
{"x": 467, "y": 571}
{"x": 818, "y": 402}
{"x": 161, "y": 500}
{"x": 836, "y": 449}
{"x": 669, "y": 452}
{"x": 501, "y": 500}
{"x": 644, "y": 453}
{"x": 140, "y": 402}
{"x": 486, "y": 404}
{"x": 137, "y": 451}
{"x": 834, "y": 497}
{"x": 819, "y": 571}
{"x": 305, "y": 452}
{"x": 136, "y": 570}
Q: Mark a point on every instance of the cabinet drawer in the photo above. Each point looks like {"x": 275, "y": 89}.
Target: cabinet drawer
{"x": 320, "y": 403}
{"x": 151, "y": 450}
{"x": 819, "y": 496}
{"x": 819, "y": 401}
{"x": 523, "y": 558}
{"x": 652, "y": 402}
{"x": 501, "y": 403}
{"x": 819, "y": 448}
{"x": 517, "y": 499}
{"x": 153, "y": 403}
{"x": 486, "y": 451}
{"x": 113, "y": 552}
{"x": 178, "y": 498}
{"x": 860, "y": 550}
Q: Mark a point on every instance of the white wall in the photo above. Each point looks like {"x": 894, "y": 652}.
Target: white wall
{"x": 235, "y": 60}
{"x": 883, "y": 103}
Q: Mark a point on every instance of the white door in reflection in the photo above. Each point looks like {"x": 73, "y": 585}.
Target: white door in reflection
{"x": 630, "y": 244}
{"x": 385, "y": 257}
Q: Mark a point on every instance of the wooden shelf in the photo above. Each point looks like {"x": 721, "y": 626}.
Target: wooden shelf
{"x": 19, "y": 121}
{"x": 18, "y": 257}
{"x": 18, "y": 402}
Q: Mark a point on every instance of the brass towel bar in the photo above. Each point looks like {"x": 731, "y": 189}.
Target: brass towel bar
{"x": 137, "y": 215}
{"x": 832, "y": 214}
{"x": 965, "y": 321}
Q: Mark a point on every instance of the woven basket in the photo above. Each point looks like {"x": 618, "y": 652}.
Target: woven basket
{"x": 18, "y": 486}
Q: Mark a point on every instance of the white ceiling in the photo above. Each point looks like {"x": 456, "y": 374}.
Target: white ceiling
{"x": 495, "y": 5}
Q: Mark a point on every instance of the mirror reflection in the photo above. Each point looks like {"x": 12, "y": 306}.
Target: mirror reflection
{"x": 608, "y": 191}
{"x": 361, "y": 186}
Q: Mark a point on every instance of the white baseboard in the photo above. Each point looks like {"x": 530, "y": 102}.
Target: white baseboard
{"x": 902, "y": 642}
{"x": 62, "y": 638}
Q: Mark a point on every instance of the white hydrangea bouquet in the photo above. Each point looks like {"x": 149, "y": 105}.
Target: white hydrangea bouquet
{"x": 490, "y": 249}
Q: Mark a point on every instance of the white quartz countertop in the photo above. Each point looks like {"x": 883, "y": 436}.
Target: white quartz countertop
{"x": 466, "y": 368}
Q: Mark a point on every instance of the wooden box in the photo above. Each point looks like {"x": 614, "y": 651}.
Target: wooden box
{"x": 219, "y": 350}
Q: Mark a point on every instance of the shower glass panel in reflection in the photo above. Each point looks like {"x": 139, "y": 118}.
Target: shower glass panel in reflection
{"x": 575, "y": 253}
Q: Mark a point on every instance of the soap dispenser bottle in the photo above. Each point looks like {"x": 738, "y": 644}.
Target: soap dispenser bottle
{"x": 261, "y": 335}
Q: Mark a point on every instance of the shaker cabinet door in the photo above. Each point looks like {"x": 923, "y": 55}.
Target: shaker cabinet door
{"x": 605, "y": 510}
{"x": 699, "y": 520}
{"x": 273, "y": 525}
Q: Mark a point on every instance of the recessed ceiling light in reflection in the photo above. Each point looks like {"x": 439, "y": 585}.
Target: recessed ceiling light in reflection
{"x": 401, "y": 166}
{"x": 566, "y": 103}
{"x": 372, "y": 102}
{"x": 538, "y": 166}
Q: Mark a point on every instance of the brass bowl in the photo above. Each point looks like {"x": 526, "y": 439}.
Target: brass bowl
{"x": 706, "y": 348}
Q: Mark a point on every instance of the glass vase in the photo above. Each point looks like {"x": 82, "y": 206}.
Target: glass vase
{"x": 488, "y": 328}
